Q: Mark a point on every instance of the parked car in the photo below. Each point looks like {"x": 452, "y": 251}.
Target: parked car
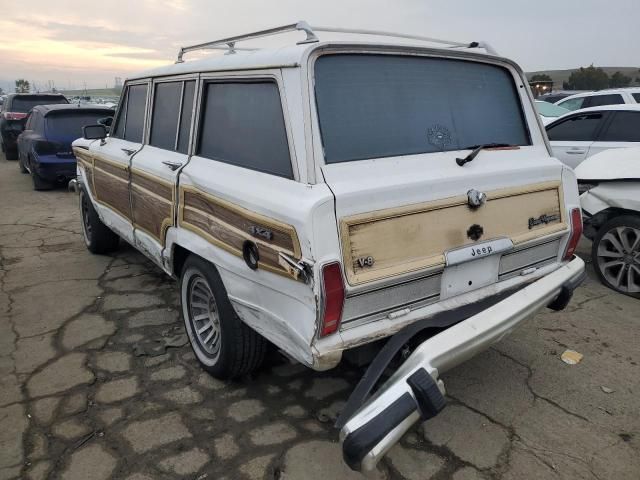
{"x": 610, "y": 203}
{"x": 329, "y": 195}
{"x": 549, "y": 112}
{"x": 612, "y": 96}
{"x": 14, "y": 112}
{"x": 44, "y": 147}
{"x": 580, "y": 134}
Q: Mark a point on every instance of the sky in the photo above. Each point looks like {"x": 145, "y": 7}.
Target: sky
{"x": 76, "y": 43}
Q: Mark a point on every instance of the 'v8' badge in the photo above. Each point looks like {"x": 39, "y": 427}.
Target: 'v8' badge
{"x": 365, "y": 261}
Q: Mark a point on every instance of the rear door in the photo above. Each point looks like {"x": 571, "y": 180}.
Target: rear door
{"x": 155, "y": 169}
{"x": 111, "y": 160}
{"x": 391, "y": 128}
{"x": 572, "y": 137}
{"x": 622, "y": 130}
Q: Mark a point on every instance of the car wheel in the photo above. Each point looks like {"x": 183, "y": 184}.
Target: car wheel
{"x": 98, "y": 238}
{"x": 39, "y": 183}
{"x": 616, "y": 254}
{"x": 23, "y": 169}
{"x": 224, "y": 345}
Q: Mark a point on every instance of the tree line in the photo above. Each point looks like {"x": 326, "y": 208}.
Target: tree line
{"x": 591, "y": 78}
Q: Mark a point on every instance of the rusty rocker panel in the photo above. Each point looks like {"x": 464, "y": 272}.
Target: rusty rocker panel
{"x": 228, "y": 226}
{"x": 152, "y": 204}
{"x": 413, "y": 237}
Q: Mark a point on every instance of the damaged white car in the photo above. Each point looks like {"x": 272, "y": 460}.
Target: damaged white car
{"x": 610, "y": 182}
{"x": 328, "y": 196}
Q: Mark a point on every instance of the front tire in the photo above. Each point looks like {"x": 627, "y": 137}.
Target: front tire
{"x": 616, "y": 254}
{"x": 98, "y": 238}
{"x": 11, "y": 153}
{"x": 224, "y": 345}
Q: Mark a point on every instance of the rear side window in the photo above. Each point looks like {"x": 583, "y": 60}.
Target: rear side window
{"x": 598, "y": 100}
{"x": 172, "y": 106}
{"x": 582, "y": 128}
{"x": 373, "y": 106}
{"x": 572, "y": 103}
{"x": 625, "y": 127}
{"x": 26, "y": 103}
{"x": 243, "y": 124}
{"x": 636, "y": 97}
{"x": 134, "y": 121}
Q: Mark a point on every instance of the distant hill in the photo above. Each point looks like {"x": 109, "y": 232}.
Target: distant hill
{"x": 93, "y": 92}
{"x": 560, "y": 76}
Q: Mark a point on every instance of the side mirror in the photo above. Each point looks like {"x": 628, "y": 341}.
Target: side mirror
{"x": 94, "y": 132}
{"x": 106, "y": 121}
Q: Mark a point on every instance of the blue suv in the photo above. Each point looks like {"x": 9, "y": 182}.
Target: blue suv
{"x": 44, "y": 148}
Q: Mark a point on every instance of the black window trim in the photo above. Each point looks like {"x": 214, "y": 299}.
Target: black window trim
{"x": 244, "y": 77}
{"x": 183, "y": 78}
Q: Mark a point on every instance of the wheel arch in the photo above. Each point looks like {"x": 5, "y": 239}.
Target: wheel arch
{"x": 593, "y": 224}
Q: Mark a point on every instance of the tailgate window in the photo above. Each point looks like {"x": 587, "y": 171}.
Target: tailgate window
{"x": 24, "y": 104}
{"x": 69, "y": 124}
{"x": 372, "y": 106}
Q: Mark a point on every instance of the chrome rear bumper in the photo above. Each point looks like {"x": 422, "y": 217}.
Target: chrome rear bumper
{"x": 414, "y": 391}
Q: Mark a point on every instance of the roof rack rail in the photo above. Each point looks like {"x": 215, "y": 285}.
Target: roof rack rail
{"x": 303, "y": 26}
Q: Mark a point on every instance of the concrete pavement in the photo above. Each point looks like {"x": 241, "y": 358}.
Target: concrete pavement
{"x": 97, "y": 381}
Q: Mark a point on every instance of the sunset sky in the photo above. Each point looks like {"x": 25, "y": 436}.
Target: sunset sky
{"x": 72, "y": 42}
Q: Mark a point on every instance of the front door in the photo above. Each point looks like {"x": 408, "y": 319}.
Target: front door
{"x": 572, "y": 137}
{"x": 112, "y": 161}
{"x": 155, "y": 168}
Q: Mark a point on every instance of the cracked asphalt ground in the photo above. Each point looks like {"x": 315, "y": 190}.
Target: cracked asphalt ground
{"x": 97, "y": 381}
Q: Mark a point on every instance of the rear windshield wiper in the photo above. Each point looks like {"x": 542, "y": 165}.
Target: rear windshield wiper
{"x": 476, "y": 151}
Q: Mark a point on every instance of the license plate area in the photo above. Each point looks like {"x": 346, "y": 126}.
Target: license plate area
{"x": 472, "y": 267}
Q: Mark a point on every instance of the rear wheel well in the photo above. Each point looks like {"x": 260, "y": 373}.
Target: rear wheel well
{"x": 180, "y": 255}
{"x": 594, "y": 223}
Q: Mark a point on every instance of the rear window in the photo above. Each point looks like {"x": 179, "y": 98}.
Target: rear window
{"x": 372, "y": 106}
{"x": 24, "y": 104}
{"x": 69, "y": 124}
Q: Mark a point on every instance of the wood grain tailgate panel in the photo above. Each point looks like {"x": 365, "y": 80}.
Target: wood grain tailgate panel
{"x": 416, "y": 236}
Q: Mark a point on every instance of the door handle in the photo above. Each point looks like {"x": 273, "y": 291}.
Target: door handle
{"x": 128, "y": 151}
{"x": 172, "y": 165}
{"x": 576, "y": 152}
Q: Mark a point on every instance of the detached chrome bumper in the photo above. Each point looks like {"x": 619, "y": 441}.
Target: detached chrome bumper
{"x": 414, "y": 391}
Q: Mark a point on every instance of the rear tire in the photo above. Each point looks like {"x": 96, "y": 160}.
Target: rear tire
{"x": 38, "y": 182}
{"x": 223, "y": 344}
{"x": 615, "y": 254}
{"x": 98, "y": 238}
{"x": 11, "y": 154}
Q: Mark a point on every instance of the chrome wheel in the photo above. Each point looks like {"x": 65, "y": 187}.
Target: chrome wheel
{"x": 86, "y": 223}
{"x": 204, "y": 316}
{"x": 618, "y": 256}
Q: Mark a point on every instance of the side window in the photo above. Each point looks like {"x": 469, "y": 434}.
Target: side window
{"x": 572, "y": 103}
{"x": 598, "y": 100}
{"x": 625, "y": 127}
{"x": 118, "y": 131}
{"x": 134, "y": 121}
{"x": 636, "y": 97}
{"x": 243, "y": 124}
{"x": 580, "y": 128}
{"x": 172, "y": 107}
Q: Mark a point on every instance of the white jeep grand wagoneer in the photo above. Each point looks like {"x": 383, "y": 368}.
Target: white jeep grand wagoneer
{"x": 329, "y": 194}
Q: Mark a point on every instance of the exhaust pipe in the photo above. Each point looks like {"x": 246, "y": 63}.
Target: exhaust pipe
{"x": 73, "y": 186}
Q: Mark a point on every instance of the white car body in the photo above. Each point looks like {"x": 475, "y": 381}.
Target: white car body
{"x": 612, "y": 96}
{"x": 609, "y": 133}
{"x": 406, "y": 230}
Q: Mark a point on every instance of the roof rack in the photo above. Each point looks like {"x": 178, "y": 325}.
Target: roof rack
{"x": 310, "y": 31}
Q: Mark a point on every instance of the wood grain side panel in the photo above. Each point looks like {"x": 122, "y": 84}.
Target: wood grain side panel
{"x": 412, "y": 239}
{"x": 151, "y": 214}
{"x": 236, "y": 219}
{"x": 157, "y": 186}
{"x": 119, "y": 171}
{"x": 112, "y": 191}
{"x": 227, "y": 226}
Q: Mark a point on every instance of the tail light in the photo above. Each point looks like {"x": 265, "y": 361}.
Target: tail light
{"x": 14, "y": 115}
{"x": 332, "y": 298}
{"x": 576, "y": 233}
